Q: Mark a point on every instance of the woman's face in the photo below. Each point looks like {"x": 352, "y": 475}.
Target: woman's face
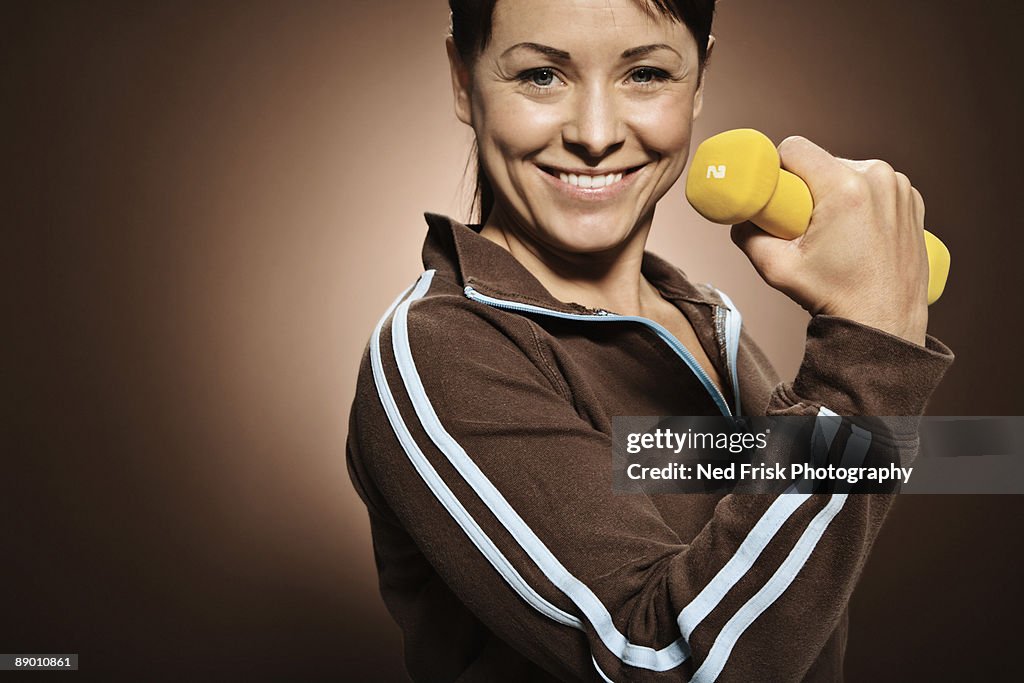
{"x": 582, "y": 111}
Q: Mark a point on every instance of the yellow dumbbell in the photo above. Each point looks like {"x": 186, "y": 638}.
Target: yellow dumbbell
{"x": 736, "y": 176}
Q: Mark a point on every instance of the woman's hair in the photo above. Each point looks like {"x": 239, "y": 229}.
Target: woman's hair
{"x": 471, "y": 31}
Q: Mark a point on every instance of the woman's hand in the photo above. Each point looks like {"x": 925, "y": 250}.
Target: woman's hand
{"x": 863, "y": 256}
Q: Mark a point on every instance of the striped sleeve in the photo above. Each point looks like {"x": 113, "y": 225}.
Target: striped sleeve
{"x": 507, "y": 491}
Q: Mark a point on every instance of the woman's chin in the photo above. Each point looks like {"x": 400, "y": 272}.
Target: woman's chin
{"x": 593, "y": 236}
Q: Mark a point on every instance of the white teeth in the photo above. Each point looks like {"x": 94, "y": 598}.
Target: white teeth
{"x": 590, "y": 181}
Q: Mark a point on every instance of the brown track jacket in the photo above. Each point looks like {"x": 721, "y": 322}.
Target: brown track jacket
{"x": 480, "y": 441}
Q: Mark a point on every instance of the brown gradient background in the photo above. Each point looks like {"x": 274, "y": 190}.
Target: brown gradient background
{"x": 208, "y": 204}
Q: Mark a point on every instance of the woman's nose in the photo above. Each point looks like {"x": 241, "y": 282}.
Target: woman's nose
{"x": 594, "y": 128}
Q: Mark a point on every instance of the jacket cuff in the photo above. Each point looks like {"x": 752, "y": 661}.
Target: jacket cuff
{"x": 853, "y": 369}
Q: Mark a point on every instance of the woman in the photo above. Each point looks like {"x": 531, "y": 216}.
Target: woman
{"x": 480, "y": 432}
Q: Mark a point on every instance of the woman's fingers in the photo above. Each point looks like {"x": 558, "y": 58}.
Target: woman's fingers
{"x": 820, "y": 170}
{"x": 770, "y": 255}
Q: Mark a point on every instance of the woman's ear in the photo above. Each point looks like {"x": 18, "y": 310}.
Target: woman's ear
{"x": 698, "y": 97}
{"x": 460, "y": 83}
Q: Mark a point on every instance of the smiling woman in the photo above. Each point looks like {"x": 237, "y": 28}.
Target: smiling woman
{"x": 558, "y": 113}
{"x": 480, "y": 435}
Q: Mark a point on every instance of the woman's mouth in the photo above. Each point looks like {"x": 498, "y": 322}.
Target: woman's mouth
{"x": 594, "y": 181}
{"x": 590, "y": 184}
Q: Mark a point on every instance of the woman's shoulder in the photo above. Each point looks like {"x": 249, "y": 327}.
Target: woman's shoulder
{"x": 435, "y": 326}
{"x": 438, "y": 310}
{"x": 438, "y": 351}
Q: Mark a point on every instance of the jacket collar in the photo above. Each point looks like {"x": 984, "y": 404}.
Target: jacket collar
{"x": 486, "y": 267}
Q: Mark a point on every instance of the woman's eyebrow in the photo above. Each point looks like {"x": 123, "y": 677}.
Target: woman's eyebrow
{"x": 564, "y": 56}
{"x": 647, "y": 49}
{"x": 552, "y": 52}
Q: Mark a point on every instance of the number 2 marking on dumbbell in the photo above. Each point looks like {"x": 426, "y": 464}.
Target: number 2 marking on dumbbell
{"x": 716, "y": 171}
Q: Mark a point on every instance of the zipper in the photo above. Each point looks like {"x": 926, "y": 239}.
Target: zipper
{"x": 600, "y": 315}
{"x": 720, "y": 335}
{"x": 728, "y": 323}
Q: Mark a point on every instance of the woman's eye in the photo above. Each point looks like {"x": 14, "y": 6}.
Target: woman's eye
{"x": 646, "y": 75}
{"x": 542, "y": 78}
